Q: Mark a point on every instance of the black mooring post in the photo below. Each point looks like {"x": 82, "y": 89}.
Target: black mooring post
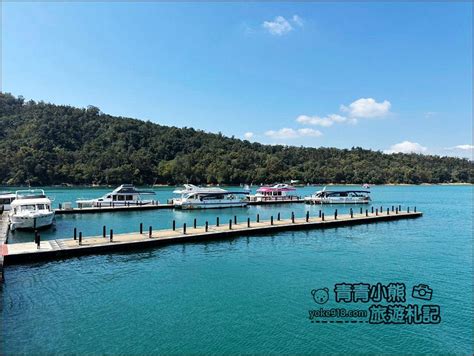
{"x": 150, "y": 232}
{"x": 80, "y": 237}
{"x": 393, "y": 208}
{"x": 408, "y": 209}
{"x": 271, "y": 220}
{"x": 258, "y": 218}
{"x": 195, "y": 223}
{"x": 34, "y": 223}
{"x": 292, "y": 217}
{"x": 377, "y": 211}
{"x": 372, "y": 210}
{"x": 207, "y": 226}
{"x": 103, "y": 231}
{"x": 278, "y": 217}
{"x": 361, "y": 211}
{"x": 36, "y": 239}
{"x": 322, "y": 216}
{"x": 352, "y": 214}
{"x": 396, "y": 210}
{"x": 111, "y": 235}
{"x": 141, "y": 228}
{"x": 307, "y": 216}
{"x": 235, "y": 219}
{"x": 174, "y": 225}
{"x": 366, "y": 212}
{"x": 320, "y": 213}
{"x": 335, "y": 214}
{"x": 217, "y": 221}
{"x": 248, "y": 222}
{"x": 414, "y": 209}
{"x": 399, "y": 208}
{"x": 75, "y": 233}
{"x": 388, "y": 211}
{"x": 184, "y": 228}
{"x": 381, "y": 209}
{"x": 230, "y": 224}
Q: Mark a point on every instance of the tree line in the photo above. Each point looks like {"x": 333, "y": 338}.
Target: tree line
{"x": 46, "y": 144}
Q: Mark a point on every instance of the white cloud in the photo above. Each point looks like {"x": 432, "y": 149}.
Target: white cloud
{"x": 279, "y": 26}
{"x": 367, "y": 108}
{"x": 287, "y": 133}
{"x": 463, "y": 147}
{"x": 326, "y": 121}
{"x": 407, "y": 147}
{"x": 248, "y": 135}
{"x": 429, "y": 114}
{"x": 297, "y": 20}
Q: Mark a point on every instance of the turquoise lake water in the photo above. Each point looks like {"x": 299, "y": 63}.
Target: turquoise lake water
{"x": 244, "y": 295}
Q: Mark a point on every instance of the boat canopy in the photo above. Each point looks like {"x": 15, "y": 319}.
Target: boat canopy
{"x": 130, "y": 189}
{"x": 30, "y": 194}
{"x": 338, "y": 192}
{"x": 276, "y": 188}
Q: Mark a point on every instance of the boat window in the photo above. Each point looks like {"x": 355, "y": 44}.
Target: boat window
{"x": 108, "y": 196}
{"x": 28, "y": 207}
{"x": 114, "y": 197}
{"x": 343, "y": 194}
{"x": 129, "y": 197}
{"x": 40, "y": 206}
{"x": 121, "y": 197}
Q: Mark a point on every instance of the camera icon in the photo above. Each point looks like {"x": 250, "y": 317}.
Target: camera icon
{"x": 422, "y": 291}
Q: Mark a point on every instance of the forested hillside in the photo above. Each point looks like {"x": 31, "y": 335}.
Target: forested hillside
{"x": 46, "y": 144}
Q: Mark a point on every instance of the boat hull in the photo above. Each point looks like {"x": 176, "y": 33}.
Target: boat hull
{"x": 28, "y": 221}
{"x": 336, "y": 201}
{"x": 99, "y": 204}
{"x": 193, "y": 206}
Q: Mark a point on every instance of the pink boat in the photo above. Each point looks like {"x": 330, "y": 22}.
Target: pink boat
{"x": 276, "y": 192}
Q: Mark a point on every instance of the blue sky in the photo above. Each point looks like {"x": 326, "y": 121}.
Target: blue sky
{"x": 391, "y": 76}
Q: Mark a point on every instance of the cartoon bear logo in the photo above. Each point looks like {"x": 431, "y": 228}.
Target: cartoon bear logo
{"x": 320, "y": 296}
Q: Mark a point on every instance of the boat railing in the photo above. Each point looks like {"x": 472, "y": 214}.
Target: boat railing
{"x": 274, "y": 198}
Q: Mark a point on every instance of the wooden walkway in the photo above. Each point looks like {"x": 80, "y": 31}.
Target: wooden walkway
{"x": 63, "y": 248}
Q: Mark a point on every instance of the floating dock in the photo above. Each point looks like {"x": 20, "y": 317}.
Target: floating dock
{"x": 112, "y": 209}
{"x": 132, "y": 207}
{"x": 78, "y": 245}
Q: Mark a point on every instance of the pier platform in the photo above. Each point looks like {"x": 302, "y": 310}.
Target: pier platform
{"x": 112, "y": 209}
{"x": 69, "y": 247}
{"x": 109, "y": 209}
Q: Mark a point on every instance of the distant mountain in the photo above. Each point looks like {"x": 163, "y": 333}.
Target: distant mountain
{"x": 46, "y": 144}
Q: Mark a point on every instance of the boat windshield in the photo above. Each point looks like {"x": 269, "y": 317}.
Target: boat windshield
{"x": 28, "y": 207}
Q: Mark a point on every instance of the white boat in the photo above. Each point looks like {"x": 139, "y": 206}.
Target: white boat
{"x": 193, "y": 197}
{"x": 275, "y": 193}
{"x": 6, "y": 199}
{"x": 126, "y": 194}
{"x": 339, "y": 197}
{"x": 31, "y": 209}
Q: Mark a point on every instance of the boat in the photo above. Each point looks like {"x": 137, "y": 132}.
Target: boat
{"x": 275, "y": 193}
{"x": 339, "y": 197}
{"x": 193, "y": 197}
{"x": 6, "y": 199}
{"x": 124, "y": 195}
{"x": 31, "y": 209}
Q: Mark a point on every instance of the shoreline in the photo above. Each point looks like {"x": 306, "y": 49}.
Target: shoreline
{"x": 231, "y": 185}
